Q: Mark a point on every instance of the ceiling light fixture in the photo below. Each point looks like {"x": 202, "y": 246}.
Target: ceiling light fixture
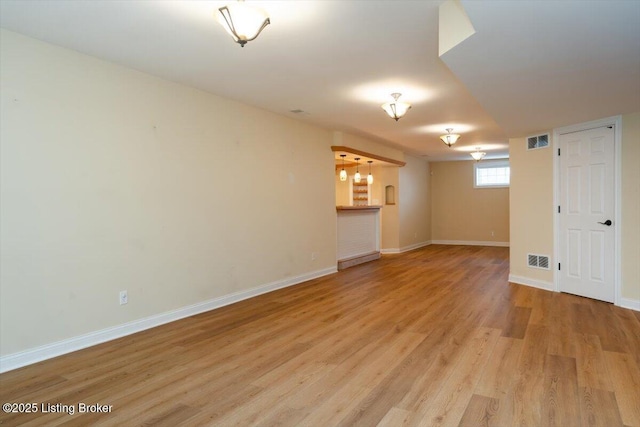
{"x": 242, "y": 21}
{"x": 370, "y": 177}
{"x": 449, "y": 138}
{"x": 343, "y": 173}
{"x": 357, "y": 178}
{"x": 396, "y": 109}
{"x": 478, "y": 155}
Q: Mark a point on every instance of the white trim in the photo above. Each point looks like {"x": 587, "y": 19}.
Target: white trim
{"x": 390, "y": 251}
{"x": 405, "y": 248}
{"x": 540, "y": 284}
{"x": 631, "y": 304}
{"x": 616, "y": 122}
{"x": 470, "y": 243}
{"x": 48, "y": 351}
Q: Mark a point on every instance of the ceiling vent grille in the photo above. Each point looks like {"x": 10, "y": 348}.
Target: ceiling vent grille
{"x": 538, "y": 261}
{"x": 538, "y": 141}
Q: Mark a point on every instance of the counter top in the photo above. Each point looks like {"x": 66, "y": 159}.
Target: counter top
{"x": 358, "y": 208}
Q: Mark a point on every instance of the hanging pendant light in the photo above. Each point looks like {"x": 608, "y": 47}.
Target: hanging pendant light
{"x": 357, "y": 178}
{"x": 478, "y": 155}
{"x": 370, "y": 177}
{"x": 449, "y": 138}
{"x": 242, "y": 21}
{"x": 343, "y": 173}
{"x": 396, "y": 109}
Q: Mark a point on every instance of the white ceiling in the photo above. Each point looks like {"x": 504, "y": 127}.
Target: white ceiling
{"x": 531, "y": 66}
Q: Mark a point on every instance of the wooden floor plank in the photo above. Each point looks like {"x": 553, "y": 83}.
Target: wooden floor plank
{"x": 610, "y": 330}
{"x": 481, "y": 412}
{"x": 592, "y": 368}
{"x": 528, "y": 378}
{"x": 630, "y": 327}
{"x": 497, "y": 378}
{"x": 435, "y": 336}
{"x": 517, "y": 322}
{"x": 561, "y": 404}
{"x": 542, "y": 309}
{"x": 599, "y": 408}
{"x": 625, "y": 376}
{"x": 448, "y": 406}
{"x": 562, "y": 323}
{"x": 300, "y": 404}
{"x": 396, "y": 417}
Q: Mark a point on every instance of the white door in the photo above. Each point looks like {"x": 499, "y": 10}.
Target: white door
{"x": 587, "y": 203}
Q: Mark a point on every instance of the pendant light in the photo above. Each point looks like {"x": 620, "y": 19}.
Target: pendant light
{"x": 370, "y": 177}
{"x": 242, "y": 21}
{"x": 396, "y": 109}
{"x": 478, "y": 155}
{"x": 343, "y": 173}
{"x": 357, "y": 178}
{"x": 449, "y": 138}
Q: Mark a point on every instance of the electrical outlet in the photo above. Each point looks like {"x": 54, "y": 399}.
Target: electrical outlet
{"x": 124, "y": 298}
{"x": 313, "y": 256}
{"x": 492, "y": 234}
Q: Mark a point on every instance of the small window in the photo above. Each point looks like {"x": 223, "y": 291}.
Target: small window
{"x": 490, "y": 174}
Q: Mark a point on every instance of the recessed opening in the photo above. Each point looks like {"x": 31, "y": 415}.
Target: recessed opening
{"x": 389, "y": 195}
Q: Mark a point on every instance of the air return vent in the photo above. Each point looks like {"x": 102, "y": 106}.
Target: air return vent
{"x": 538, "y": 261}
{"x": 539, "y": 141}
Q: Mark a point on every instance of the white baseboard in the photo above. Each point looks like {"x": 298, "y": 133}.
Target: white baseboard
{"x": 48, "y": 351}
{"x": 405, "y": 248}
{"x": 470, "y": 243}
{"x": 540, "y": 284}
{"x": 631, "y": 304}
{"x": 390, "y": 251}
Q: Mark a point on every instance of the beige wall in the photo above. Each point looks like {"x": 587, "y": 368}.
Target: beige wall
{"x": 389, "y": 221}
{"x": 531, "y": 208}
{"x": 414, "y": 203}
{"x": 631, "y": 206}
{"x": 112, "y": 179}
{"x": 461, "y": 212}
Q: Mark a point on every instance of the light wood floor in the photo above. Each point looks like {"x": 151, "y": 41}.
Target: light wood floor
{"x": 432, "y": 337}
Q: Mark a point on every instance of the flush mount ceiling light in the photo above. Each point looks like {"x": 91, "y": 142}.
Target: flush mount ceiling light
{"x": 478, "y": 155}
{"x": 449, "y": 138}
{"x": 396, "y": 109}
{"x": 343, "y": 173}
{"x": 242, "y": 21}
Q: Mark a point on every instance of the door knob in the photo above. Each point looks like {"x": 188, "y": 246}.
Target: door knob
{"x": 607, "y": 223}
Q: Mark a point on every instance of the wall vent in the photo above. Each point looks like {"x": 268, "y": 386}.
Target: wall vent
{"x": 538, "y": 141}
{"x": 538, "y": 261}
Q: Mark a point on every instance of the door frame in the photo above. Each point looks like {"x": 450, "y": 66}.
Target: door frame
{"x": 616, "y": 122}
